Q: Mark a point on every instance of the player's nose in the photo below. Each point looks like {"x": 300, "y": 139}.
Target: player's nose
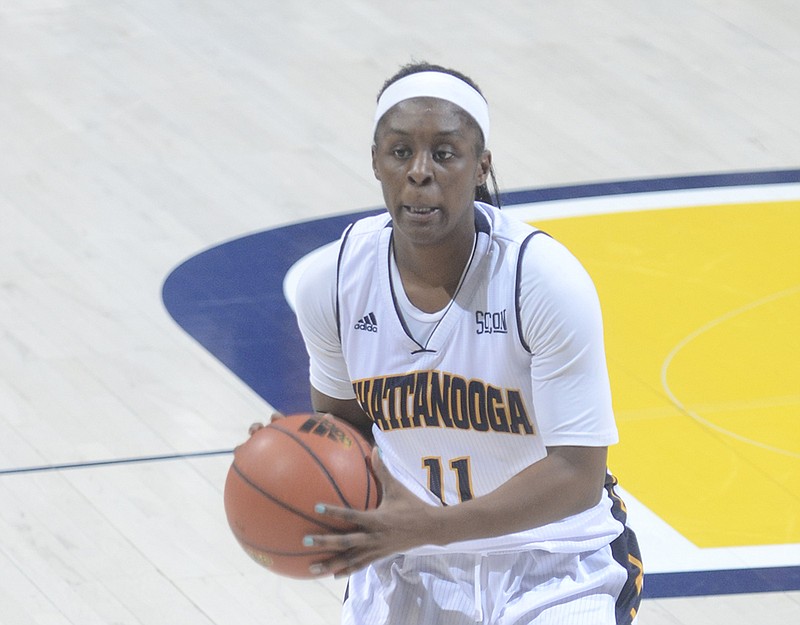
{"x": 420, "y": 168}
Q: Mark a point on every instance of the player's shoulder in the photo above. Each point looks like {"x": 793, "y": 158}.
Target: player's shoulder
{"x": 319, "y": 274}
{"x": 503, "y": 226}
{"x": 368, "y": 225}
{"x": 549, "y": 271}
{"x": 543, "y": 263}
{"x": 316, "y": 279}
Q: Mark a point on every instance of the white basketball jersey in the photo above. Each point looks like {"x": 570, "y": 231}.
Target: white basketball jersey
{"x": 454, "y": 416}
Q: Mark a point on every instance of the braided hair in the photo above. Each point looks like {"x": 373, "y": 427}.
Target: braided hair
{"x": 482, "y": 192}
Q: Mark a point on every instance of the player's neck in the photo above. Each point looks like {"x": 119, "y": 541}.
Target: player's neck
{"x": 432, "y": 274}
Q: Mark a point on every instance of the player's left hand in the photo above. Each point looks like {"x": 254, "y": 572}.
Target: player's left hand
{"x": 401, "y": 521}
{"x": 255, "y": 427}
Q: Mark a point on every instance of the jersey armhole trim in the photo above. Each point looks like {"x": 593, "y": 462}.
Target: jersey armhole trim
{"x": 518, "y": 288}
{"x": 338, "y": 271}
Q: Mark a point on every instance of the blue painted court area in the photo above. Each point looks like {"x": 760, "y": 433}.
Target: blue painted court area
{"x": 230, "y": 298}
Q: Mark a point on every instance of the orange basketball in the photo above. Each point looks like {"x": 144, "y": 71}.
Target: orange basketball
{"x": 277, "y": 477}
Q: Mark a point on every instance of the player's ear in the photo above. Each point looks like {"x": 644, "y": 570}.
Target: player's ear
{"x": 484, "y": 167}
{"x": 374, "y": 162}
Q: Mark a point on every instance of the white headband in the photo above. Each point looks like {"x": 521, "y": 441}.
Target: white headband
{"x": 436, "y": 85}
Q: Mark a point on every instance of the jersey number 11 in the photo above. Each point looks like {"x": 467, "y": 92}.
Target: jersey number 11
{"x": 459, "y": 466}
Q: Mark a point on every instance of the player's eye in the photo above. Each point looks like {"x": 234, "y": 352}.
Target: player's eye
{"x": 442, "y": 155}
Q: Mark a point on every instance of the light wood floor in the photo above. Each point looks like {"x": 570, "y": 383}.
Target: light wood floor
{"x": 135, "y": 133}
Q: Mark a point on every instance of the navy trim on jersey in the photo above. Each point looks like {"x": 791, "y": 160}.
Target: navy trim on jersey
{"x": 482, "y": 223}
{"x": 626, "y": 552}
{"x": 396, "y": 305}
{"x": 338, "y": 268}
{"x": 517, "y": 287}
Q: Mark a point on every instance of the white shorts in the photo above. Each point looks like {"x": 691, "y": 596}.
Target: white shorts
{"x": 519, "y": 588}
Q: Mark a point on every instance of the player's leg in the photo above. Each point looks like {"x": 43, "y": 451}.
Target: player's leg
{"x": 413, "y": 589}
{"x": 543, "y": 588}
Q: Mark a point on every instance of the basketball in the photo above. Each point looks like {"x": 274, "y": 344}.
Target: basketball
{"x": 277, "y": 477}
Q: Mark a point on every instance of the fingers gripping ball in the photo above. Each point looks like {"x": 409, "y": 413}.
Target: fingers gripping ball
{"x": 277, "y": 477}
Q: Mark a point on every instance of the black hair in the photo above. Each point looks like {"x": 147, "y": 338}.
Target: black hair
{"x": 482, "y": 193}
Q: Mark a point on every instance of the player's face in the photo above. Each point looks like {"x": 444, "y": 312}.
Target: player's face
{"x": 426, "y": 158}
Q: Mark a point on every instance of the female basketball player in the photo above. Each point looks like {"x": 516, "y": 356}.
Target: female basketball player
{"x": 470, "y": 346}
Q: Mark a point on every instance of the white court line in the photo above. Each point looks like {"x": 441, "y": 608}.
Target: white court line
{"x": 702, "y": 330}
{"x": 655, "y": 200}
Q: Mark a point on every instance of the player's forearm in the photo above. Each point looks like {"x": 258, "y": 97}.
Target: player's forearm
{"x": 568, "y": 481}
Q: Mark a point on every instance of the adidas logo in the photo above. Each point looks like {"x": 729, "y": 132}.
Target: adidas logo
{"x": 368, "y": 323}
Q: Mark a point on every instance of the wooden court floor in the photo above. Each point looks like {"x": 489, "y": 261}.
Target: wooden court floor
{"x": 135, "y": 135}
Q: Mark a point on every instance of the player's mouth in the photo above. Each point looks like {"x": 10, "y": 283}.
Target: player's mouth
{"x": 419, "y": 210}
